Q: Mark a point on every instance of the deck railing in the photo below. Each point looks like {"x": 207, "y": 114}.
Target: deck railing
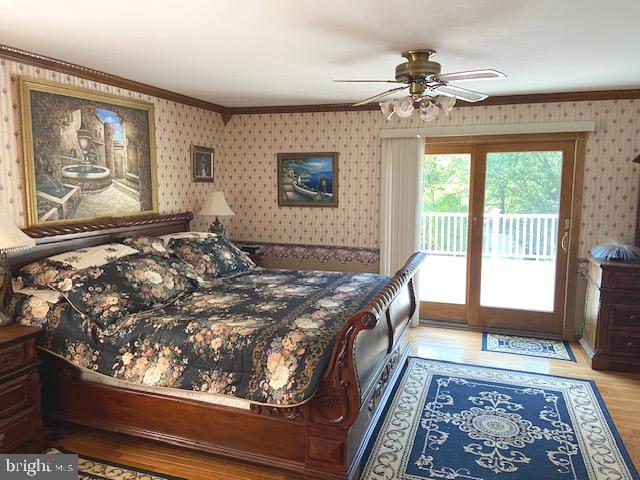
{"x": 527, "y": 236}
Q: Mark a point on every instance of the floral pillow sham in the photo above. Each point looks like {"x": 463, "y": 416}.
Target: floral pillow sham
{"x": 147, "y": 245}
{"x": 52, "y": 270}
{"x": 44, "y": 272}
{"x": 211, "y": 257}
{"x": 125, "y": 286}
{"x": 30, "y": 308}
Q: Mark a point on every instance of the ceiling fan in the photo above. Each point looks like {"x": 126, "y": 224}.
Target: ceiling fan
{"x": 429, "y": 90}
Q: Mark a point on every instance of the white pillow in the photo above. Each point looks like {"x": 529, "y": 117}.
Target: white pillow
{"x": 170, "y": 236}
{"x": 94, "y": 256}
{"x": 45, "y": 294}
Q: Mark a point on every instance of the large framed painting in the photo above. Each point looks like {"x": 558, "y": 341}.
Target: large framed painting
{"x": 308, "y": 179}
{"x": 88, "y": 154}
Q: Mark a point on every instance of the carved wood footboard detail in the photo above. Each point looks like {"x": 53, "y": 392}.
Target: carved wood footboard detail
{"x": 339, "y": 400}
{"x": 383, "y": 380}
{"x": 285, "y": 413}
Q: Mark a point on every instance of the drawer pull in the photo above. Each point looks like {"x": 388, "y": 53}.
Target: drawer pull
{"x": 629, "y": 344}
{"x": 632, "y": 317}
{"x": 2, "y": 436}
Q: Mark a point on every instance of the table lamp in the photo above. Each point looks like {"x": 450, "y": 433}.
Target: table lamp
{"x": 11, "y": 239}
{"x": 216, "y": 206}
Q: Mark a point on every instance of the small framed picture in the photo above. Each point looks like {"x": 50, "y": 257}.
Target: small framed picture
{"x": 308, "y": 179}
{"x": 202, "y": 164}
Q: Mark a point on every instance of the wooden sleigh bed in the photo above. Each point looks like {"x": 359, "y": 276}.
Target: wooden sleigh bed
{"x": 322, "y": 438}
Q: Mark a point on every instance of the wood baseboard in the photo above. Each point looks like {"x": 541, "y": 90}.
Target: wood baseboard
{"x": 505, "y": 331}
{"x": 587, "y": 349}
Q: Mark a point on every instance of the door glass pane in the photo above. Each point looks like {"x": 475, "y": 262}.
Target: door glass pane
{"x": 520, "y": 230}
{"x": 444, "y": 230}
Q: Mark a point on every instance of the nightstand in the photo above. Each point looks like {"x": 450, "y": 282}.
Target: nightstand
{"x": 253, "y": 251}
{"x": 21, "y": 429}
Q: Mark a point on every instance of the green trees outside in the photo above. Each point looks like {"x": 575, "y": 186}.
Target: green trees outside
{"x": 516, "y": 182}
{"x": 445, "y": 183}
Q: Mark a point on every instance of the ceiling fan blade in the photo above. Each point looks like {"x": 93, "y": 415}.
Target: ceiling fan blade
{"x": 380, "y": 95}
{"x": 485, "y": 74}
{"x": 368, "y": 81}
{"x": 461, "y": 93}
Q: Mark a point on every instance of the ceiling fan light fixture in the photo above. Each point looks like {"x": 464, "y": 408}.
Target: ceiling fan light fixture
{"x": 431, "y": 93}
{"x": 388, "y": 108}
{"x": 403, "y": 107}
{"x": 429, "y": 108}
{"x": 429, "y": 88}
{"x": 445, "y": 103}
{"x": 429, "y": 112}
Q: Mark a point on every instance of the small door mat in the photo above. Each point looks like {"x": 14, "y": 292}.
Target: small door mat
{"x": 534, "y": 347}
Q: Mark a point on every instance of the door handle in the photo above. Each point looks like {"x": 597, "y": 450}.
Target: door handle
{"x": 563, "y": 241}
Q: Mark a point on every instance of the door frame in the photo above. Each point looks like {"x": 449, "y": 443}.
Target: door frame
{"x": 451, "y": 312}
{"x": 454, "y": 312}
{"x": 502, "y": 317}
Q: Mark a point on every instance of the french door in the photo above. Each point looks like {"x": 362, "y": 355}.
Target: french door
{"x": 496, "y": 220}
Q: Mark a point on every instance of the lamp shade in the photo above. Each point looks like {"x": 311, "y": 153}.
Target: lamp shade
{"x": 216, "y": 206}
{"x": 11, "y": 237}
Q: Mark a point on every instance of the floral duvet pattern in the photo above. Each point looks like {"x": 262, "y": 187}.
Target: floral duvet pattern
{"x": 125, "y": 286}
{"x": 262, "y": 335}
{"x": 211, "y": 257}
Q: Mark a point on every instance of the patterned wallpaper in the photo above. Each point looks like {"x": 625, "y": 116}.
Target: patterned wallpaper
{"x": 252, "y": 141}
{"x": 250, "y": 182}
{"x": 177, "y": 127}
{"x": 246, "y": 162}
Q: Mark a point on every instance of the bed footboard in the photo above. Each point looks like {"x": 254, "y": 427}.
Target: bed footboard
{"x": 366, "y": 360}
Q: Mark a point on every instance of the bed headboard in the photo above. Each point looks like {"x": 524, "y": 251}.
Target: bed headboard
{"x": 51, "y": 240}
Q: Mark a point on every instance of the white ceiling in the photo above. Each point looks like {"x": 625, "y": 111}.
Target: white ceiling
{"x": 286, "y": 52}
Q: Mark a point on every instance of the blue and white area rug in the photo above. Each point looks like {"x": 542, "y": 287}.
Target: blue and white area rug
{"x": 535, "y": 347}
{"x": 462, "y": 422}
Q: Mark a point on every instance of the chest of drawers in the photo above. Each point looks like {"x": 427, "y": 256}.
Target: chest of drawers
{"x": 612, "y": 316}
{"x": 21, "y": 429}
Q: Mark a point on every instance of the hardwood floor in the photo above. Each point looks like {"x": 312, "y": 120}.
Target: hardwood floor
{"x": 158, "y": 458}
{"x": 621, "y": 393}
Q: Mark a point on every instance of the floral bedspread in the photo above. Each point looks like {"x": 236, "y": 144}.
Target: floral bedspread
{"x": 262, "y": 335}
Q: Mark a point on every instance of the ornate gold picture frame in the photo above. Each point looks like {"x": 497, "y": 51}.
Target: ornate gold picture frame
{"x": 88, "y": 154}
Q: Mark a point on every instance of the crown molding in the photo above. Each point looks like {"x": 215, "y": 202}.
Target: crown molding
{"x": 43, "y": 61}
{"x": 491, "y": 101}
{"x": 591, "y": 95}
{"x": 320, "y": 107}
{"x": 227, "y": 113}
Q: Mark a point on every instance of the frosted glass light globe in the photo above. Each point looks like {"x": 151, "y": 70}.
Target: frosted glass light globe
{"x": 404, "y": 107}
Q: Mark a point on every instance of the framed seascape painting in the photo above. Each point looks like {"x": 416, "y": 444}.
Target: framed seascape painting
{"x": 308, "y": 179}
{"x": 88, "y": 154}
{"x": 201, "y": 164}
